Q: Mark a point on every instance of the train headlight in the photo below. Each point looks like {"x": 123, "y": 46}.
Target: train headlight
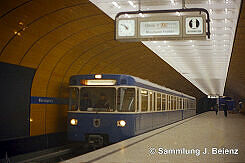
{"x": 121, "y": 123}
{"x": 73, "y": 122}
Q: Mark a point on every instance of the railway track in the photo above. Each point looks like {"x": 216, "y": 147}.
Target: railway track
{"x": 50, "y": 155}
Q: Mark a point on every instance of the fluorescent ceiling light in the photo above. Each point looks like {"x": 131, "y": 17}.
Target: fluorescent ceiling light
{"x": 116, "y": 4}
{"x": 132, "y": 4}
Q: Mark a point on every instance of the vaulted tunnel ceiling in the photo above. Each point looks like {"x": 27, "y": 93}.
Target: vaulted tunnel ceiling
{"x": 235, "y": 82}
{"x": 65, "y": 37}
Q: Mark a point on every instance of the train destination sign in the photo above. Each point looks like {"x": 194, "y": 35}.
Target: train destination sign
{"x": 161, "y": 28}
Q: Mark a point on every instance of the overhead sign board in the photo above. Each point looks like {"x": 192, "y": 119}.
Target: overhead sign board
{"x": 161, "y": 28}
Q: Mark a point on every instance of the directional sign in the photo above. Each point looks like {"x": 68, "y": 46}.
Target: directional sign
{"x": 161, "y": 28}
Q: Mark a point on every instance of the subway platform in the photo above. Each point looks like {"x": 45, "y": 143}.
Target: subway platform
{"x": 205, "y": 137}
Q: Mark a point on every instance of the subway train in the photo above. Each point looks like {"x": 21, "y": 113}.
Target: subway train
{"x": 107, "y": 108}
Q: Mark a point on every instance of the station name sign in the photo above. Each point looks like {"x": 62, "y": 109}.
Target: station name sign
{"x": 161, "y": 28}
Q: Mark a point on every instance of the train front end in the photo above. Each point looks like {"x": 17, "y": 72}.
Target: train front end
{"x": 95, "y": 110}
{"x": 99, "y": 128}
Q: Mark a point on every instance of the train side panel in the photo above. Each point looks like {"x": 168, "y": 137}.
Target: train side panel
{"x": 189, "y": 113}
{"x": 150, "y": 121}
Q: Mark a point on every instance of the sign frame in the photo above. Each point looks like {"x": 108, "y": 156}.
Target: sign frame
{"x": 198, "y": 11}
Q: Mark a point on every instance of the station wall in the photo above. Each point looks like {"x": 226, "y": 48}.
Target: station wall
{"x": 15, "y": 94}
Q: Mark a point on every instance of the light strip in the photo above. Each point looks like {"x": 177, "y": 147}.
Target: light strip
{"x": 98, "y": 82}
{"x": 132, "y": 4}
{"x": 116, "y": 4}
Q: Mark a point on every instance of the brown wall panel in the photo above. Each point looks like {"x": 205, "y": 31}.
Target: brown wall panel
{"x": 56, "y": 118}
{"x": 37, "y": 115}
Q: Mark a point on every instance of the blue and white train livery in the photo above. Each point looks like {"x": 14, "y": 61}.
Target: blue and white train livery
{"x": 107, "y": 108}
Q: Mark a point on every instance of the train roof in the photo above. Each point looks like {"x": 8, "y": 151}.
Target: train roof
{"x": 129, "y": 80}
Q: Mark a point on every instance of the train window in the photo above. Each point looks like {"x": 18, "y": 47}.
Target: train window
{"x": 126, "y": 100}
{"x": 174, "y": 101}
{"x": 98, "y": 99}
{"x": 177, "y": 103}
{"x": 144, "y": 100}
{"x": 158, "y": 101}
{"x": 185, "y": 103}
{"x": 169, "y": 102}
{"x": 151, "y": 100}
{"x": 189, "y": 104}
{"x": 181, "y": 103}
{"x": 73, "y": 99}
{"x": 164, "y": 99}
{"x": 138, "y": 100}
{"x": 192, "y": 104}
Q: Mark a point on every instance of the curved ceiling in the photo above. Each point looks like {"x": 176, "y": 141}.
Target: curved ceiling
{"x": 65, "y": 37}
{"x": 235, "y": 82}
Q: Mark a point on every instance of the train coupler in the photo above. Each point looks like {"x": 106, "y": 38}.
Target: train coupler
{"x": 95, "y": 141}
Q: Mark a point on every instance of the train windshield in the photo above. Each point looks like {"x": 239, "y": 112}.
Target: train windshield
{"x": 102, "y": 99}
{"x": 126, "y": 100}
{"x": 98, "y": 99}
